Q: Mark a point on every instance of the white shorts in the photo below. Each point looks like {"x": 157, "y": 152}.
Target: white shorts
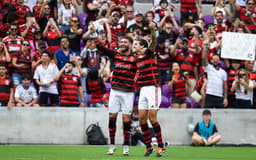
{"x": 150, "y": 97}
{"x": 120, "y": 101}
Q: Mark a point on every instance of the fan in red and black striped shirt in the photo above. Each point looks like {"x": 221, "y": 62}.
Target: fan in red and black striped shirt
{"x": 191, "y": 6}
{"x": 116, "y": 27}
{"x": 233, "y": 71}
{"x": 37, "y": 10}
{"x": 6, "y": 87}
{"x": 220, "y": 26}
{"x": 70, "y": 87}
{"x": 21, "y": 9}
{"x": 28, "y": 29}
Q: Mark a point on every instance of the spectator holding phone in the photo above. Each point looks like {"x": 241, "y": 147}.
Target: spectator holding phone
{"x": 243, "y": 88}
{"x": 178, "y": 81}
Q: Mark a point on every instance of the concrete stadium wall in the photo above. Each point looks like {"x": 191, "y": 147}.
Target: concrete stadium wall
{"x": 68, "y": 125}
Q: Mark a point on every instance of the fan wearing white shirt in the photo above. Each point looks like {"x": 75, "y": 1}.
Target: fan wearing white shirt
{"x": 216, "y": 87}
{"x": 25, "y": 94}
{"x": 44, "y": 77}
{"x": 243, "y": 88}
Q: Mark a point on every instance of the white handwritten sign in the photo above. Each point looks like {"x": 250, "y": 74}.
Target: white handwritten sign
{"x": 240, "y": 46}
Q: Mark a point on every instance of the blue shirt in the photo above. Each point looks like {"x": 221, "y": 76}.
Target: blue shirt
{"x": 62, "y": 58}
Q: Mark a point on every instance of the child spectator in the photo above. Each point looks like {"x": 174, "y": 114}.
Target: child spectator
{"x": 95, "y": 87}
{"x": 25, "y": 94}
{"x": 178, "y": 82}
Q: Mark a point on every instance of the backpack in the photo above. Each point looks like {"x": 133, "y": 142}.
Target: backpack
{"x": 95, "y": 135}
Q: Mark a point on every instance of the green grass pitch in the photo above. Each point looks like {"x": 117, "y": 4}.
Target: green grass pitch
{"x": 36, "y": 152}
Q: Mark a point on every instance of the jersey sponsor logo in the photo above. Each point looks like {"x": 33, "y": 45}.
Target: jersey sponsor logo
{"x": 7, "y": 82}
{"x": 74, "y": 79}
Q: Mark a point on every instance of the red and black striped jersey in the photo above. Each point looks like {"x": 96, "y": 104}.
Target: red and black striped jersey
{"x": 188, "y": 5}
{"x": 36, "y": 57}
{"x": 200, "y": 82}
{"x": 30, "y": 32}
{"x": 115, "y": 29}
{"x": 124, "y": 70}
{"x": 21, "y": 10}
{"x": 13, "y": 45}
{"x": 53, "y": 41}
{"x": 6, "y": 4}
{"x": 69, "y": 89}
{"x": 231, "y": 77}
{"x": 1, "y": 16}
{"x": 163, "y": 57}
{"x": 4, "y": 28}
{"x": 179, "y": 88}
{"x": 219, "y": 29}
{"x": 96, "y": 88}
{"x": 186, "y": 61}
{"x": 192, "y": 44}
{"x": 5, "y": 86}
{"x": 161, "y": 12}
{"x": 246, "y": 19}
{"x": 22, "y": 58}
{"x": 36, "y": 12}
{"x": 148, "y": 71}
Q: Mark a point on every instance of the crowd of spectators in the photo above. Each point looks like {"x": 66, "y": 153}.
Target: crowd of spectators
{"x": 48, "y": 54}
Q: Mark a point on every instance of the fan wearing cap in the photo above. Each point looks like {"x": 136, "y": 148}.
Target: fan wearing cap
{"x": 116, "y": 27}
{"x": 28, "y": 29}
{"x": 205, "y": 132}
{"x": 139, "y": 23}
{"x": 186, "y": 61}
{"x": 34, "y": 43}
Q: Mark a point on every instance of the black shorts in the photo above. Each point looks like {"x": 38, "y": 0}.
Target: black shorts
{"x": 176, "y": 100}
{"x": 3, "y": 103}
{"x": 213, "y": 101}
{"x": 54, "y": 99}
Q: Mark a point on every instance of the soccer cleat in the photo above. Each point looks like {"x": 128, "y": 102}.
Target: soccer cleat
{"x": 125, "y": 150}
{"x": 112, "y": 149}
{"x": 148, "y": 151}
{"x": 160, "y": 151}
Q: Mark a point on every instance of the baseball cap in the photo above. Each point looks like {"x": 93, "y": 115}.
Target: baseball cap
{"x": 138, "y": 13}
{"x": 116, "y": 13}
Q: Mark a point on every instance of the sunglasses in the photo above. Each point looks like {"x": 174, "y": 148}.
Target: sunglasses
{"x": 14, "y": 29}
{"x": 250, "y": 3}
{"x": 79, "y": 59}
{"x": 74, "y": 20}
{"x": 46, "y": 8}
{"x": 129, "y": 11}
{"x": 25, "y": 44}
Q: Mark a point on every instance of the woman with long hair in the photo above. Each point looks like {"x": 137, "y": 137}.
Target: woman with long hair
{"x": 243, "y": 88}
{"x": 178, "y": 82}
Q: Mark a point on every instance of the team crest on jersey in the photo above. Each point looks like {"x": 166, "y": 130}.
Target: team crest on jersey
{"x": 7, "y": 82}
{"x": 28, "y": 57}
{"x": 30, "y": 92}
{"x": 74, "y": 79}
{"x": 114, "y": 27}
{"x": 192, "y": 44}
{"x": 65, "y": 78}
{"x": 33, "y": 30}
{"x": 118, "y": 26}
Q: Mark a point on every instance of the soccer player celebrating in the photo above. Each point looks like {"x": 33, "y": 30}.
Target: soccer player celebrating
{"x": 122, "y": 91}
{"x": 150, "y": 93}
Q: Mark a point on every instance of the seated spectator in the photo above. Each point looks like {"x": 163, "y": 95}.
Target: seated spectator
{"x": 70, "y": 87}
{"x": 74, "y": 34}
{"x": 44, "y": 77}
{"x": 64, "y": 54}
{"x": 25, "y": 94}
{"x": 21, "y": 62}
{"x": 6, "y": 85}
{"x": 247, "y": 15}
{"x": 27, "y": 30}
{"x": 66, "y": 11}
{"x": 243, "y": 88}
{"x": 205, "y": 132}
{"x": 216, "y": 88}
{"x": 95, "y": 87}
{"x": 34, "y": 43}
{"x": 52, "y": 34}
{"x": 178, "y": 81}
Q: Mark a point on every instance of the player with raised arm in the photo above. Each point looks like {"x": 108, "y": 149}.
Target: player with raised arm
{"x": 122, "y": 91}
{"x": 150, "y": 93}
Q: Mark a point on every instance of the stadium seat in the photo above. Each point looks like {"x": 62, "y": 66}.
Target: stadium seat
{"x": 82, "y": 17}
{"x": 88, "y": 99}
{"x": 194, "y": 104}
{"x": 167, "y": 91}
{"x": 108, "y": 87}
{"x": 208, "y": 20}
{"x": 165, "y": 103}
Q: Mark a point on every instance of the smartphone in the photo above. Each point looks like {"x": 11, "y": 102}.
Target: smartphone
{"x": 210, "y": 27}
